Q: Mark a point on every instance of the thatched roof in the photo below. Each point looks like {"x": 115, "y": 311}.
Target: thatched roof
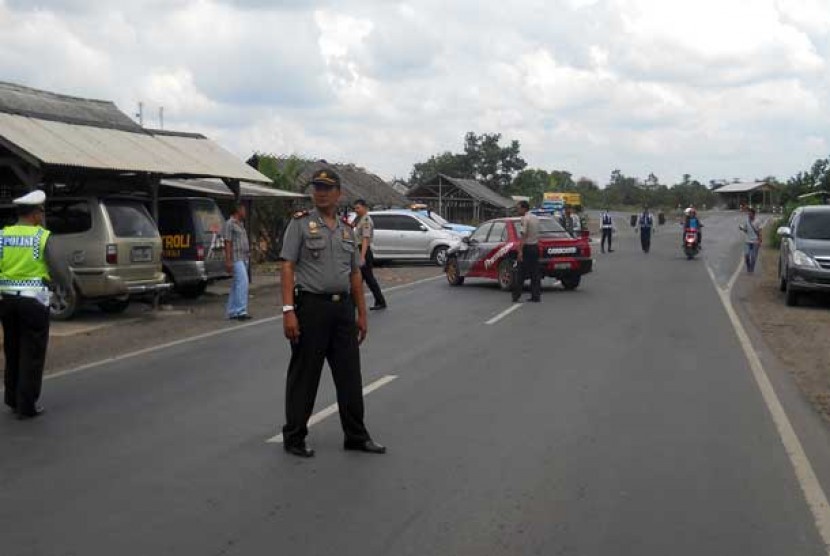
{"x": 470, "y": 189}
{"x": 356, "y": 183}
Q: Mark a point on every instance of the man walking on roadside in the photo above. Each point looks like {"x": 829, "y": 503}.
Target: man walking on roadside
{"x": 528, "y": 255}
{"x": 28, "y": 264}
{"x": 321, "y": 290}
{"x": 364, "y": 233}
{"x": 237, "y": 257}
{"x": 754, "y": 238}
{"x": 607, "y": 227}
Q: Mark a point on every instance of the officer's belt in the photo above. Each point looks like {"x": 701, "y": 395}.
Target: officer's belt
{"x": 29, "y": 293}
{"x": 333, "y": 297}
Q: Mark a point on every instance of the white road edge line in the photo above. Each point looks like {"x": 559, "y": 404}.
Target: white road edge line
{"x": 198, "y": 337}
{"x": 806, "y": 476}
{"x": 503, "y": 314}
{"x": 332, "y": 409}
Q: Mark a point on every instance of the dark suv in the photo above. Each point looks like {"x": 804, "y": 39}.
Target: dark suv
{"x": 804, "y": 262}
{"x": 194, "y": 250}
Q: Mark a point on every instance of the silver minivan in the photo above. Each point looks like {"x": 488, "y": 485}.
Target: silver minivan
{"x": 406, "y": 235}
{"x": 113, "y": 249}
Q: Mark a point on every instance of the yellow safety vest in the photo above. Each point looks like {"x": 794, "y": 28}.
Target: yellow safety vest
{"x": 22, "y": 262}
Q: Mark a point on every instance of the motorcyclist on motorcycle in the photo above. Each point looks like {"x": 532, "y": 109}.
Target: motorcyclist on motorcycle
{"x": 692, "y": 222}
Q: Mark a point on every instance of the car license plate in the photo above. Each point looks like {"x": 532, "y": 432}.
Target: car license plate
{"x": 562, "y": 266}
{"x": 141, "y": 255}
{"x": 561, "y": 251}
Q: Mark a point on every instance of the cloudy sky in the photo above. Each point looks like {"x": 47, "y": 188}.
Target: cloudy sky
{"x": 715, "y": 88}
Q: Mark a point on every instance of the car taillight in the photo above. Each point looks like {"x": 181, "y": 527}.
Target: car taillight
{"x": 112, "y": 254}
{"x": 200, "y": 252}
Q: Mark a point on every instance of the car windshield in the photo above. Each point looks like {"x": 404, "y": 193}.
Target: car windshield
{"x": 550, "y": 227}
{"x": 441, "y": 221}
{"x": 208, "y": 217}
{"x": 130, "y": 219}
{"x": 430, "y": 223}
{"x": 815, "y": 225}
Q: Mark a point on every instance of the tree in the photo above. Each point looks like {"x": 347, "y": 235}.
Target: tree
{"x": 483, "y": 159}
{"x": 623, "y": 190}
{"x": 454, "y": 165}
{"x": 562, "y": 181}
{"x": 531, "y": 183}
{"x": 493, "y": 165}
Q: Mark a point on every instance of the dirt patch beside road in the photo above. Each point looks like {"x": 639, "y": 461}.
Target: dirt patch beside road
{"x": 93, "y": 336}
{"x": 797, "y": 336}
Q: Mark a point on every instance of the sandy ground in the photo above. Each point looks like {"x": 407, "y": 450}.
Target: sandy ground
{"x": 93, "y": 336}
{"x": 797, "y": 336}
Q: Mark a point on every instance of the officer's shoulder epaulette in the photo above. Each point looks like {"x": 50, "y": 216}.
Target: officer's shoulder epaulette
{"x": 301, "y": 214}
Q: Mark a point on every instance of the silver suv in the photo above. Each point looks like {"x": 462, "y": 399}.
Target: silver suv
{"x": 112, "y": 247}
{"x": 804, "y": 261}
{"x": 405, "y": 235}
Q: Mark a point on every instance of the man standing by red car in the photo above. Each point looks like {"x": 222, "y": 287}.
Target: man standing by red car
{"x": 528, "y": 256}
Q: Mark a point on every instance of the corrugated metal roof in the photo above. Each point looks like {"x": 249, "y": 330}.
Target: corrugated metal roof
{"x": 45, "y": 105}
{"x": 743, "y": 187}
{"x": 56, "y": 143}
{"x": 217, "y": 188}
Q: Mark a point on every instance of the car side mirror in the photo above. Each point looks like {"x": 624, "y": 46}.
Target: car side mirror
{"x": 465, "y": 240}
{"x": 423, "y": 228}
{"x": 785, "y": 231}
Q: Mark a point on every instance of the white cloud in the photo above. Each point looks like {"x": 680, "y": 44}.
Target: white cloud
{"x": 711, "y": 87}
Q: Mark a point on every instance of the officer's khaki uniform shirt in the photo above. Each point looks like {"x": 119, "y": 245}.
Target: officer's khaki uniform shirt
{"x": 324, "y": 257}
{"x": 530, "y": 229}
{"x": 364, "y": 229}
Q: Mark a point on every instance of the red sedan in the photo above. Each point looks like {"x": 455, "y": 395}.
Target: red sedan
{"x": 491, "y": 251}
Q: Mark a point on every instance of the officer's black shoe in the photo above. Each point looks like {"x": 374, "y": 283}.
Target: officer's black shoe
{"x": 299, "y": 450}
{"x": 378, "y": 307}
{"x": 36, "y": 412}
{"x": 244, "y": 317}
{"x": 534, "y": 299}
{"x": 368, "y": 446}
{"x": 516, "y": 300}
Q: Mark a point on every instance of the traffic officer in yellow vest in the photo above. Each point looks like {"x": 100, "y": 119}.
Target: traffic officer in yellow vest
{"x": 25, "y": 264}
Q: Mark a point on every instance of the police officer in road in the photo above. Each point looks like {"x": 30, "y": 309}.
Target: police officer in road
{"x": 321, "y": 290}
{"x": 607, "y": 227}
{"x": 364, "y": 230}
{"x": 27, "y": 264}
{"x": 528, "y": 255}
{"x": 645, "y": 224}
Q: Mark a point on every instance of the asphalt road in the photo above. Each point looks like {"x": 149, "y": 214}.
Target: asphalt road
{"x": 621, "y": 418}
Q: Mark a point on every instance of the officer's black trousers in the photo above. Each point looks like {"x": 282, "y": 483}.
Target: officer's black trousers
{"x": 529, "y": 268}
{"x": 369, "y": 277}
{"x": 328, "y": 332}
{"x": 607, "y": 235}
{"x": 645, "y": 239}
{"x": 25, "y": 338}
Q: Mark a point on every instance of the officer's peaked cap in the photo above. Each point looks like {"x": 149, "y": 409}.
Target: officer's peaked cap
{"x": 326, "y": 177}
{"x": 33, "y": 199}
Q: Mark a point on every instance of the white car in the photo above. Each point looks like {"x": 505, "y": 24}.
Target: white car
{"x": 407, "y": 235}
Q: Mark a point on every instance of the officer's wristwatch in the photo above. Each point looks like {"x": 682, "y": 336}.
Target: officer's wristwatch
{"x": 287, "y": 308}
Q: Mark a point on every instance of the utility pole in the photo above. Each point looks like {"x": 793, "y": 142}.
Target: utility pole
{"x": 161, "y": 118}
{"x": 140, "y": 114}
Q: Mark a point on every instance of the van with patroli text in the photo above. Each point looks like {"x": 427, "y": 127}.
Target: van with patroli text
{"x": 193, "y": 250}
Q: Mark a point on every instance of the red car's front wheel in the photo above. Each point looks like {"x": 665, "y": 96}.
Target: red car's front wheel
{"x": 453, "y": 273}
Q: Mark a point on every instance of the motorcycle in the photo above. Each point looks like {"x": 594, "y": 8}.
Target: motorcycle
{"x": 691, "y": 247}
